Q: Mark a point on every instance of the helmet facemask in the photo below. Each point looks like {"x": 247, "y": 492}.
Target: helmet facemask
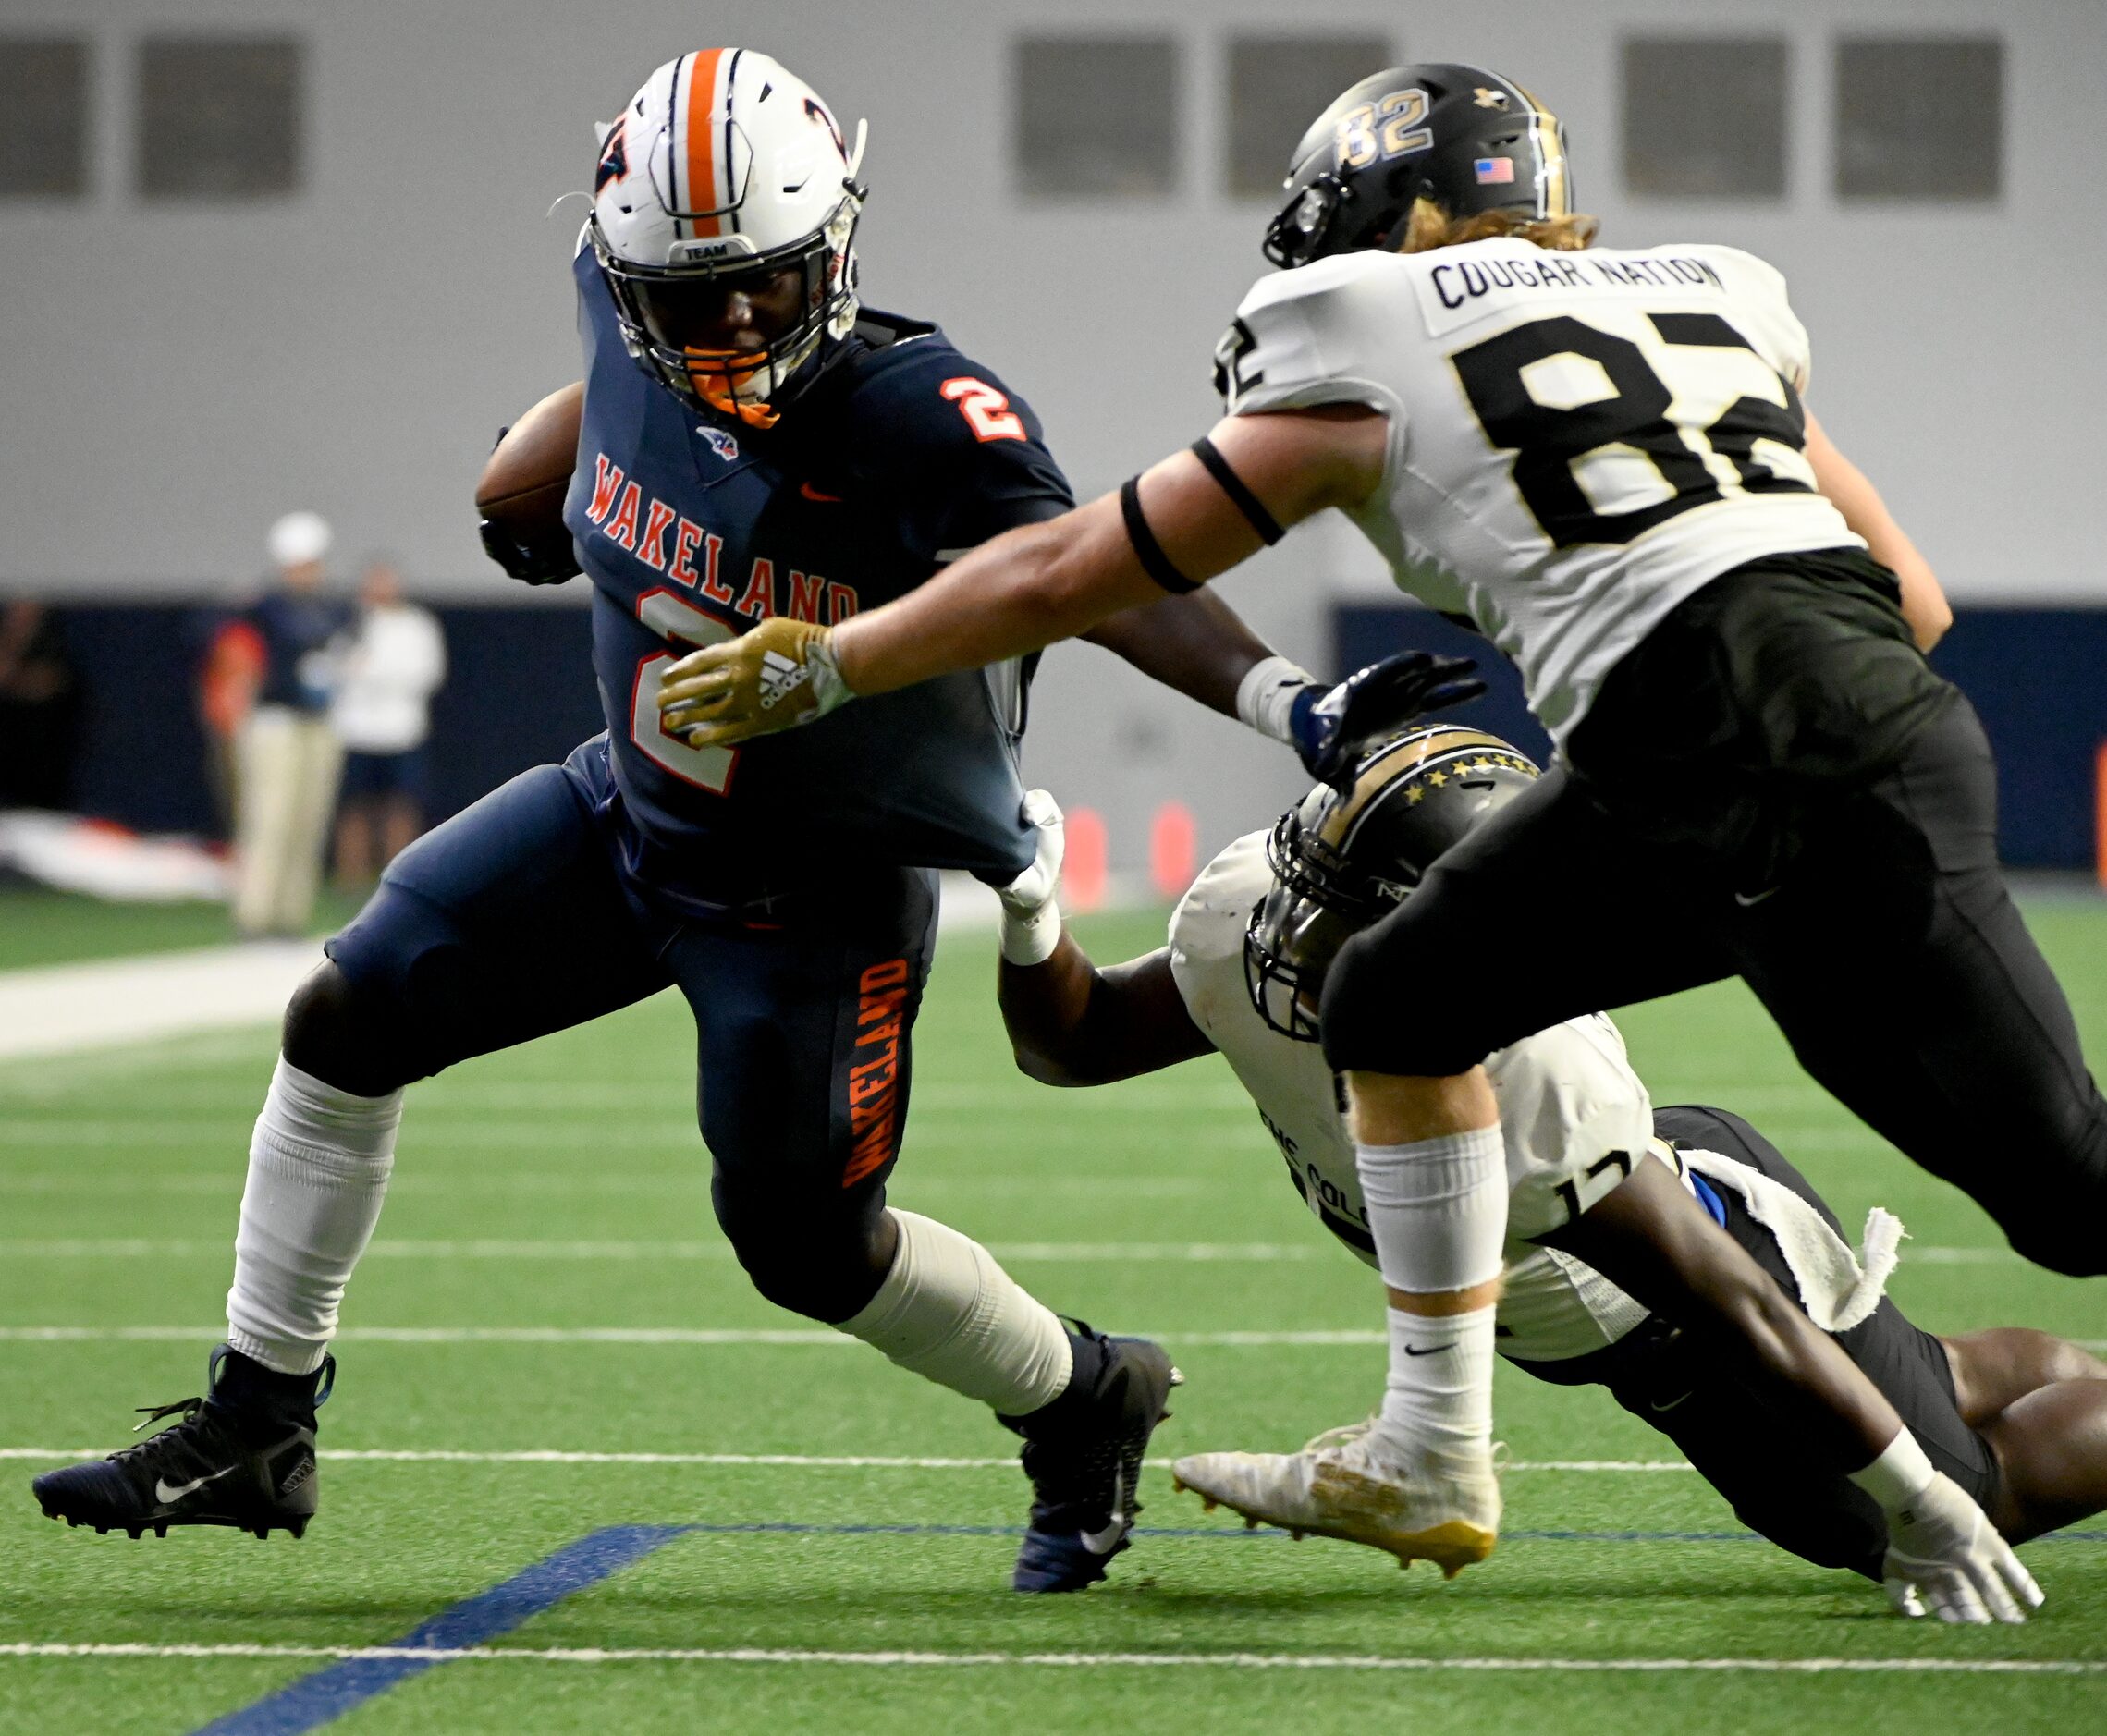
{"x": 662, "y": 307}
{"x": 1317, "y": 904}
{"x": 1343, "y": 859}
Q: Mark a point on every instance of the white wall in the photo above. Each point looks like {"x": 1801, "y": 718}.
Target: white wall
{"x": 171, "y": 378}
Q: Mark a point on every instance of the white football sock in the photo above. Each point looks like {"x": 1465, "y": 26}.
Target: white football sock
{"x": 947, "y": 1311}
{"x": 1437, "y": 1210}
{"x": 1437, "y": 1214}
{"x": 318, "y": 1168}
{"x": 1441, "y": 1383}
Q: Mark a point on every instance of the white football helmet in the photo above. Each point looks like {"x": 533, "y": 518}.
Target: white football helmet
{"x": 725, "y": 207}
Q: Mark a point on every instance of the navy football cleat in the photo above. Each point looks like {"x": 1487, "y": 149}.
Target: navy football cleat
{"x": 242, "y": 1456}
{"x": 1084, "y": 1455}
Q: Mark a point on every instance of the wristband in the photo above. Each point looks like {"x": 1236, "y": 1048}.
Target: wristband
{"x": 1266, "y": 697}
{"x": 1029, "y": 937}
{"x": 1899, "y": 1475}
{"x": 829, "y": 691}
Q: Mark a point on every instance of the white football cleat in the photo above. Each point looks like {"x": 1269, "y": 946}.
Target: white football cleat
{"x": 1444, "y": 1510}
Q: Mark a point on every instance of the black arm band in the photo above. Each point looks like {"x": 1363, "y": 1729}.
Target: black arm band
{"x": 1245, "y": 502}
{"x": 1154, "y": 561}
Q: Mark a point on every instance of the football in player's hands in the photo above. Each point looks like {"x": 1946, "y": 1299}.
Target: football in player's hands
{"x": 520, "y": 493}
{"x": 1374, "y": 702}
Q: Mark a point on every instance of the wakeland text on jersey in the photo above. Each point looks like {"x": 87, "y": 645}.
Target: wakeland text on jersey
{"x": 615, "y": 508}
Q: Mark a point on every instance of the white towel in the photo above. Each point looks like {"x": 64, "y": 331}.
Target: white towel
{"x": 1839, "y": 1286}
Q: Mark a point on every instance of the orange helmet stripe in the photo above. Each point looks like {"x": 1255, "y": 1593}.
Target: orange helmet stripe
{"x": 702, "y": 194}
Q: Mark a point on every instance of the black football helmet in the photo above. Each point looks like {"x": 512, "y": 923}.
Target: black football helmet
{"x": 1464, "y": 138}
{"x": 1342, "y": 859}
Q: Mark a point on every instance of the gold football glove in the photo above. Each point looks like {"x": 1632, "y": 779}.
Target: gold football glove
{"x": 779, "y": 675}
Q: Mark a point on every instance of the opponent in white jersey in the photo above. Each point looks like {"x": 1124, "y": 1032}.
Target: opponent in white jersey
{"x": 1692, "y": 1205}
{"x": 1573, "y": 1114}
{"x": 1602, "y": 458}
{"x": 1654, "y": 392}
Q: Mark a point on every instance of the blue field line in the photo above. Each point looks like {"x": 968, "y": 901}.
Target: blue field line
{"x": 328, "y": 1694}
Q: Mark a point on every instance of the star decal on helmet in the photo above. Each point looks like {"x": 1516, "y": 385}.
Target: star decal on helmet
{"x": 1486, "y": 97}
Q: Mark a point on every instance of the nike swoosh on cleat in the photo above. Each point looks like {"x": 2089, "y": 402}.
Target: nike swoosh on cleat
{"x": 1104, "y": 1542}
{"x": 1748, "y": 900}
{"x": 166, "y": 1492}
{"x": 1659, "y": 1409}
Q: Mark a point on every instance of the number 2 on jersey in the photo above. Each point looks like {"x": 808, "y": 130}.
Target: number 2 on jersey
{"x": 1516, "y": 382}
{"x": 665, "y": 614}
{"x": 987, "y": 412}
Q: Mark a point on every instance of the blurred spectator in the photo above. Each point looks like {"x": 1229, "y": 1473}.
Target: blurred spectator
{"x": 233, "y": 670}
{"x": 289, "y": 758}
{"x": 390, "y": 664}
{"x": 40, "y": 708}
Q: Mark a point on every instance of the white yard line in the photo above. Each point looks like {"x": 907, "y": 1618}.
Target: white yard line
{"x": 1086, "y": 1253}
{"x": 512, "y": 1183}
{"x": 811, "y": 1461}
{"x": 1090, "y": 1660}
{"x": 494, "y": 1248}
{"x": 820, "y": 1335}
{"x": 790, "y": 1460}
{"x": 1355, "y": 1338}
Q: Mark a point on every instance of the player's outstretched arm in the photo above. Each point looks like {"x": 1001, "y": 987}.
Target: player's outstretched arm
{"x": 1202, "y": 648}
{"x": 1924, "y": 603}
{"x": 1068, "y": 1023}
{"x": 1175, "y": 527}
{"x": 1072, "y": 1024}
{"x": 1651, "y": 1239}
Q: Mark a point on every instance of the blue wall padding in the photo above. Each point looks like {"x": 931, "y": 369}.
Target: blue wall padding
{"x": 2037, "y": 677}
{"x": 521, "y": 693}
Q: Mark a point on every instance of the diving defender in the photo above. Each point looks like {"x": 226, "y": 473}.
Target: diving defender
{"x": 1670, "y": 1254}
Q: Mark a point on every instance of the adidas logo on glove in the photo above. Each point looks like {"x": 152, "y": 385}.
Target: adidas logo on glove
{"x": 780, "y": 677}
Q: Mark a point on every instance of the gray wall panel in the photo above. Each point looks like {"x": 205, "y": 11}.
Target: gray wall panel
{"x": 170, "y": 379}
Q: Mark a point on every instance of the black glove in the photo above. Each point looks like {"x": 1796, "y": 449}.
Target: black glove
{"x": 1375, "y": 702}
{"x": 536, "y": 558}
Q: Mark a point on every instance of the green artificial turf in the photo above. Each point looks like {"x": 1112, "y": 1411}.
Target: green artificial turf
{"x": 567, "y": 1186}
{"x": 41, "y": 927}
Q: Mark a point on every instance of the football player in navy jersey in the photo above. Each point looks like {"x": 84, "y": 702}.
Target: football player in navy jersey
{"x": 753, "y": 446}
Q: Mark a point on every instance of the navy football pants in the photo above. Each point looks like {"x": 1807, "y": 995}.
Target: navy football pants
{"x": 512, "y": 920}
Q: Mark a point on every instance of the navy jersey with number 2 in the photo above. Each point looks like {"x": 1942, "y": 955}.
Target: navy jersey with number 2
{"x": 693, "y": 527}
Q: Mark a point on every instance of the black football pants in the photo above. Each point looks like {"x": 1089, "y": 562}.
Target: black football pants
{"x": 1735, "y": 1442}
{"x": 1874, "y": 925}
